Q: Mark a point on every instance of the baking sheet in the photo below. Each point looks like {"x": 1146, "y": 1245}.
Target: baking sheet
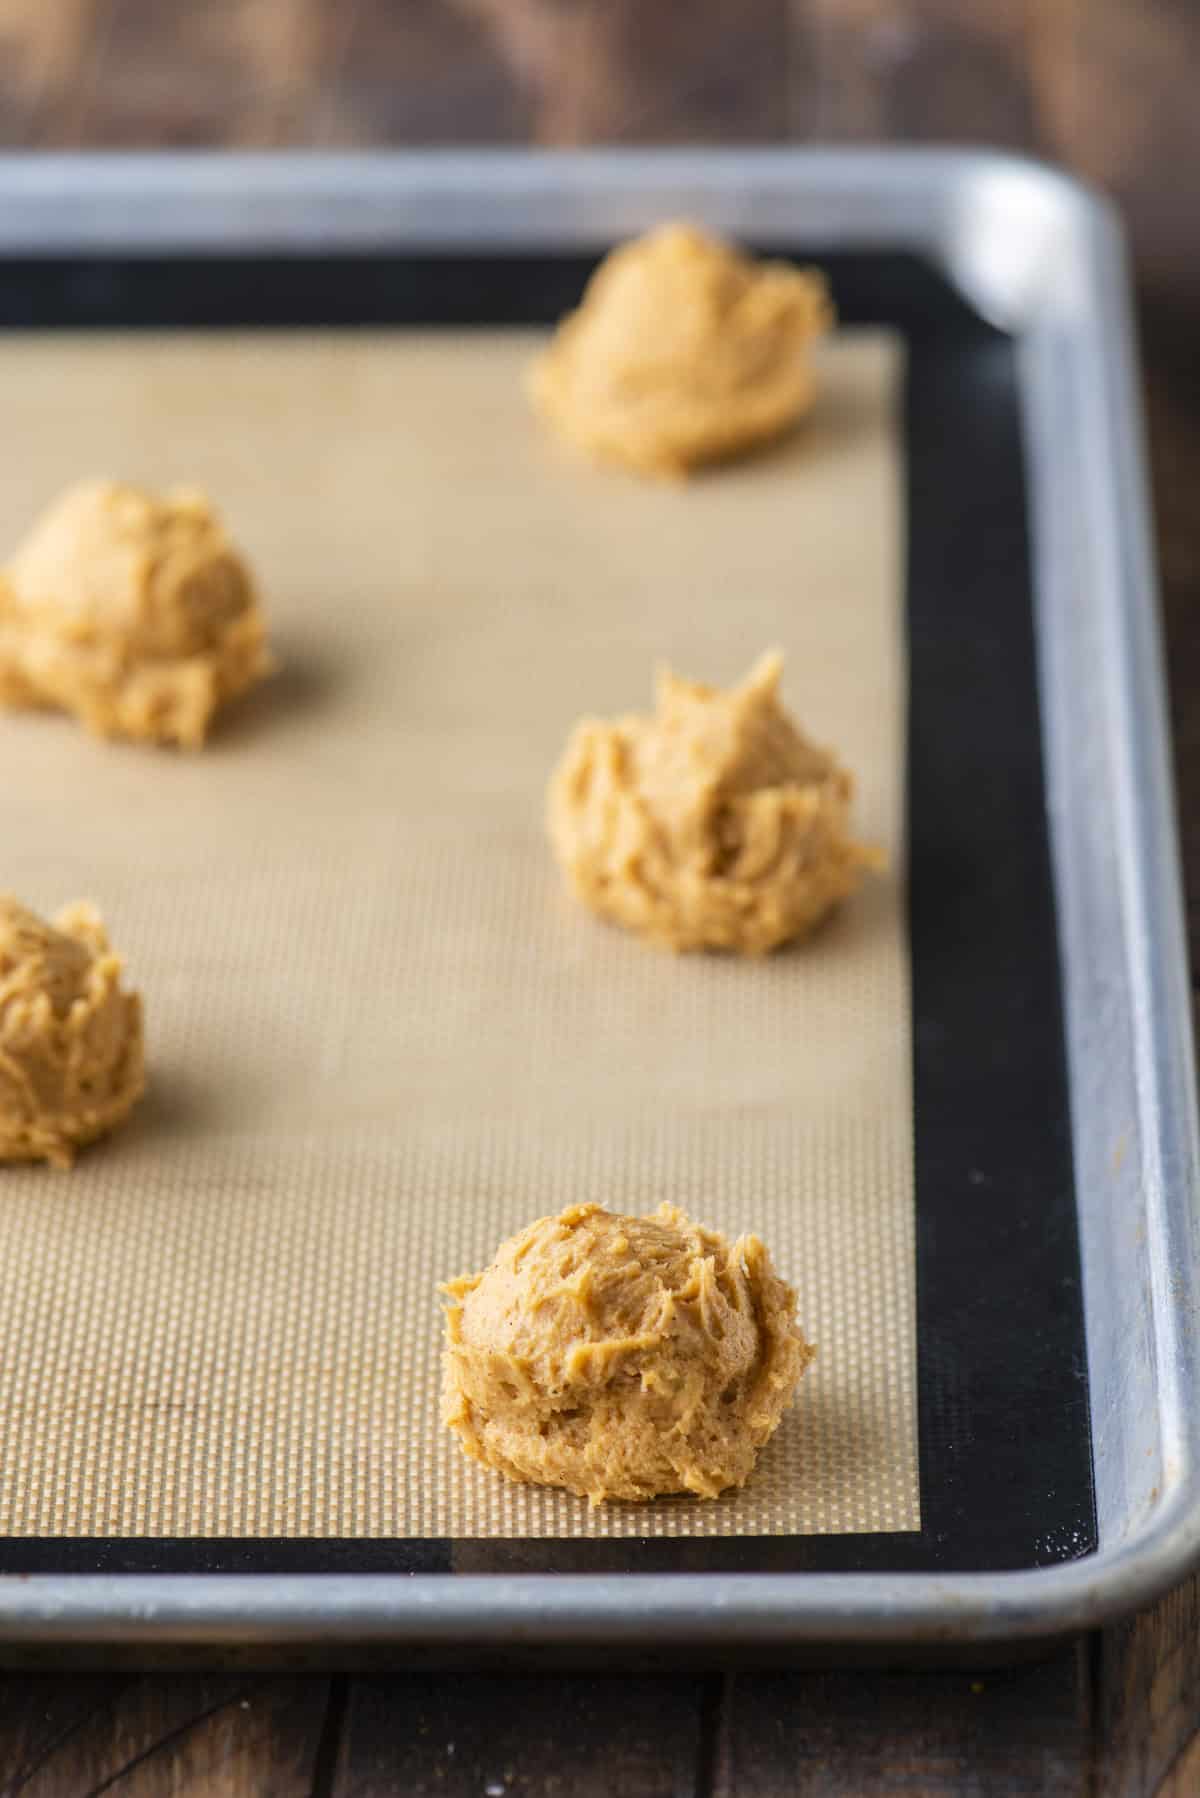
{"x": 380, "y": 1035}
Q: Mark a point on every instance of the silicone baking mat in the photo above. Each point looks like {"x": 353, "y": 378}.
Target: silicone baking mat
{"x": 380, "y": 1035}
{"x": 1001, "y": 1369}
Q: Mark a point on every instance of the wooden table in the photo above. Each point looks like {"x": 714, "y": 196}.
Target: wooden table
{"x": 1106, "y": 86}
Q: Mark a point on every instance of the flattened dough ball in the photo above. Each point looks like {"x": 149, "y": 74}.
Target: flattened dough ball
{"x": 71, "y": 1053}
{"x": 715, "y": 824}
{"x": 133, "y": 612}
{"x": 683, "y": 351}
{"x": 622, "y": 1357}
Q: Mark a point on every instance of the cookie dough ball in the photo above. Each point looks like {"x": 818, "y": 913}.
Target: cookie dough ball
{"x": 683, "y": 352}
{"x": 622, "y": 1357}
{"x": 715, "y": 824}
{"x": 71, "y": 1059}
{"x": 135, "y": 613}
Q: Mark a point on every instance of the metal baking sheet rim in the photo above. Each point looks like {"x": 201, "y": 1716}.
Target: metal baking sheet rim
{"x": 1042, "y": 257}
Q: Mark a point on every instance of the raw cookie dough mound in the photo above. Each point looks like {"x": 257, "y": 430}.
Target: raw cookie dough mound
{"x": 713, "y": 825}
{"x": 70, "y": 1039}
{"x": 135, "y": 613}
{"x": 682, "y": 352}
{"x": 622, "y": 1357}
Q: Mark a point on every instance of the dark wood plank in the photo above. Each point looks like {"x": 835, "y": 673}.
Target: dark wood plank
{"x": 285, "y": 72}
{"x": 46, "y": 57}
{"x": 126, "y": 73}
{"x": 1148, "y": 1693}
{"x": 425, "y": 72}
{"x": 1183, "y": 1778}
{"x": 240, "y": 1735}
{"x": 556, "y": 1736}
{"x": 605, "y": 71}
{"x": 833, "y": 1735}
{"x": 920, "y": 70}
{"x": 1115, "y": 84}
{"x": 40, "y": 1714}
{"x": 196, "y": 76}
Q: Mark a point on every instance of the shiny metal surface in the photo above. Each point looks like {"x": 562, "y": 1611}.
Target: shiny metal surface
{"x": 1040, "y": 256}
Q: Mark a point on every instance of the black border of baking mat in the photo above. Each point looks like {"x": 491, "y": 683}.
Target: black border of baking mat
{"x": 1005, "y": 1445}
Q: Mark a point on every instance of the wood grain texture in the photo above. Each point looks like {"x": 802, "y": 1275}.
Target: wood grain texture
{"x": 922, "y": 70}
{"x": 46, "y": 56}
{"x": 1115, "y": 87}
{"x": 297, "y": 71}
{"x": 824, "y": 1735}
{"x": 425, "y": 72}
{"x": 605, "y": 71}
{"x": 1148, "y": 1696}
{"x": 194, "y": 76}
{"x": 40, "y": 1716}
{"x": 549, "y": 1737}
{"x": 237, "y": 1735}
{"x": 1182, "y": 1780}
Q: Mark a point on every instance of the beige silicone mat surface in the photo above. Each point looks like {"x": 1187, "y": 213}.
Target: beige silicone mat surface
{"x": 380, "y": 1036}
